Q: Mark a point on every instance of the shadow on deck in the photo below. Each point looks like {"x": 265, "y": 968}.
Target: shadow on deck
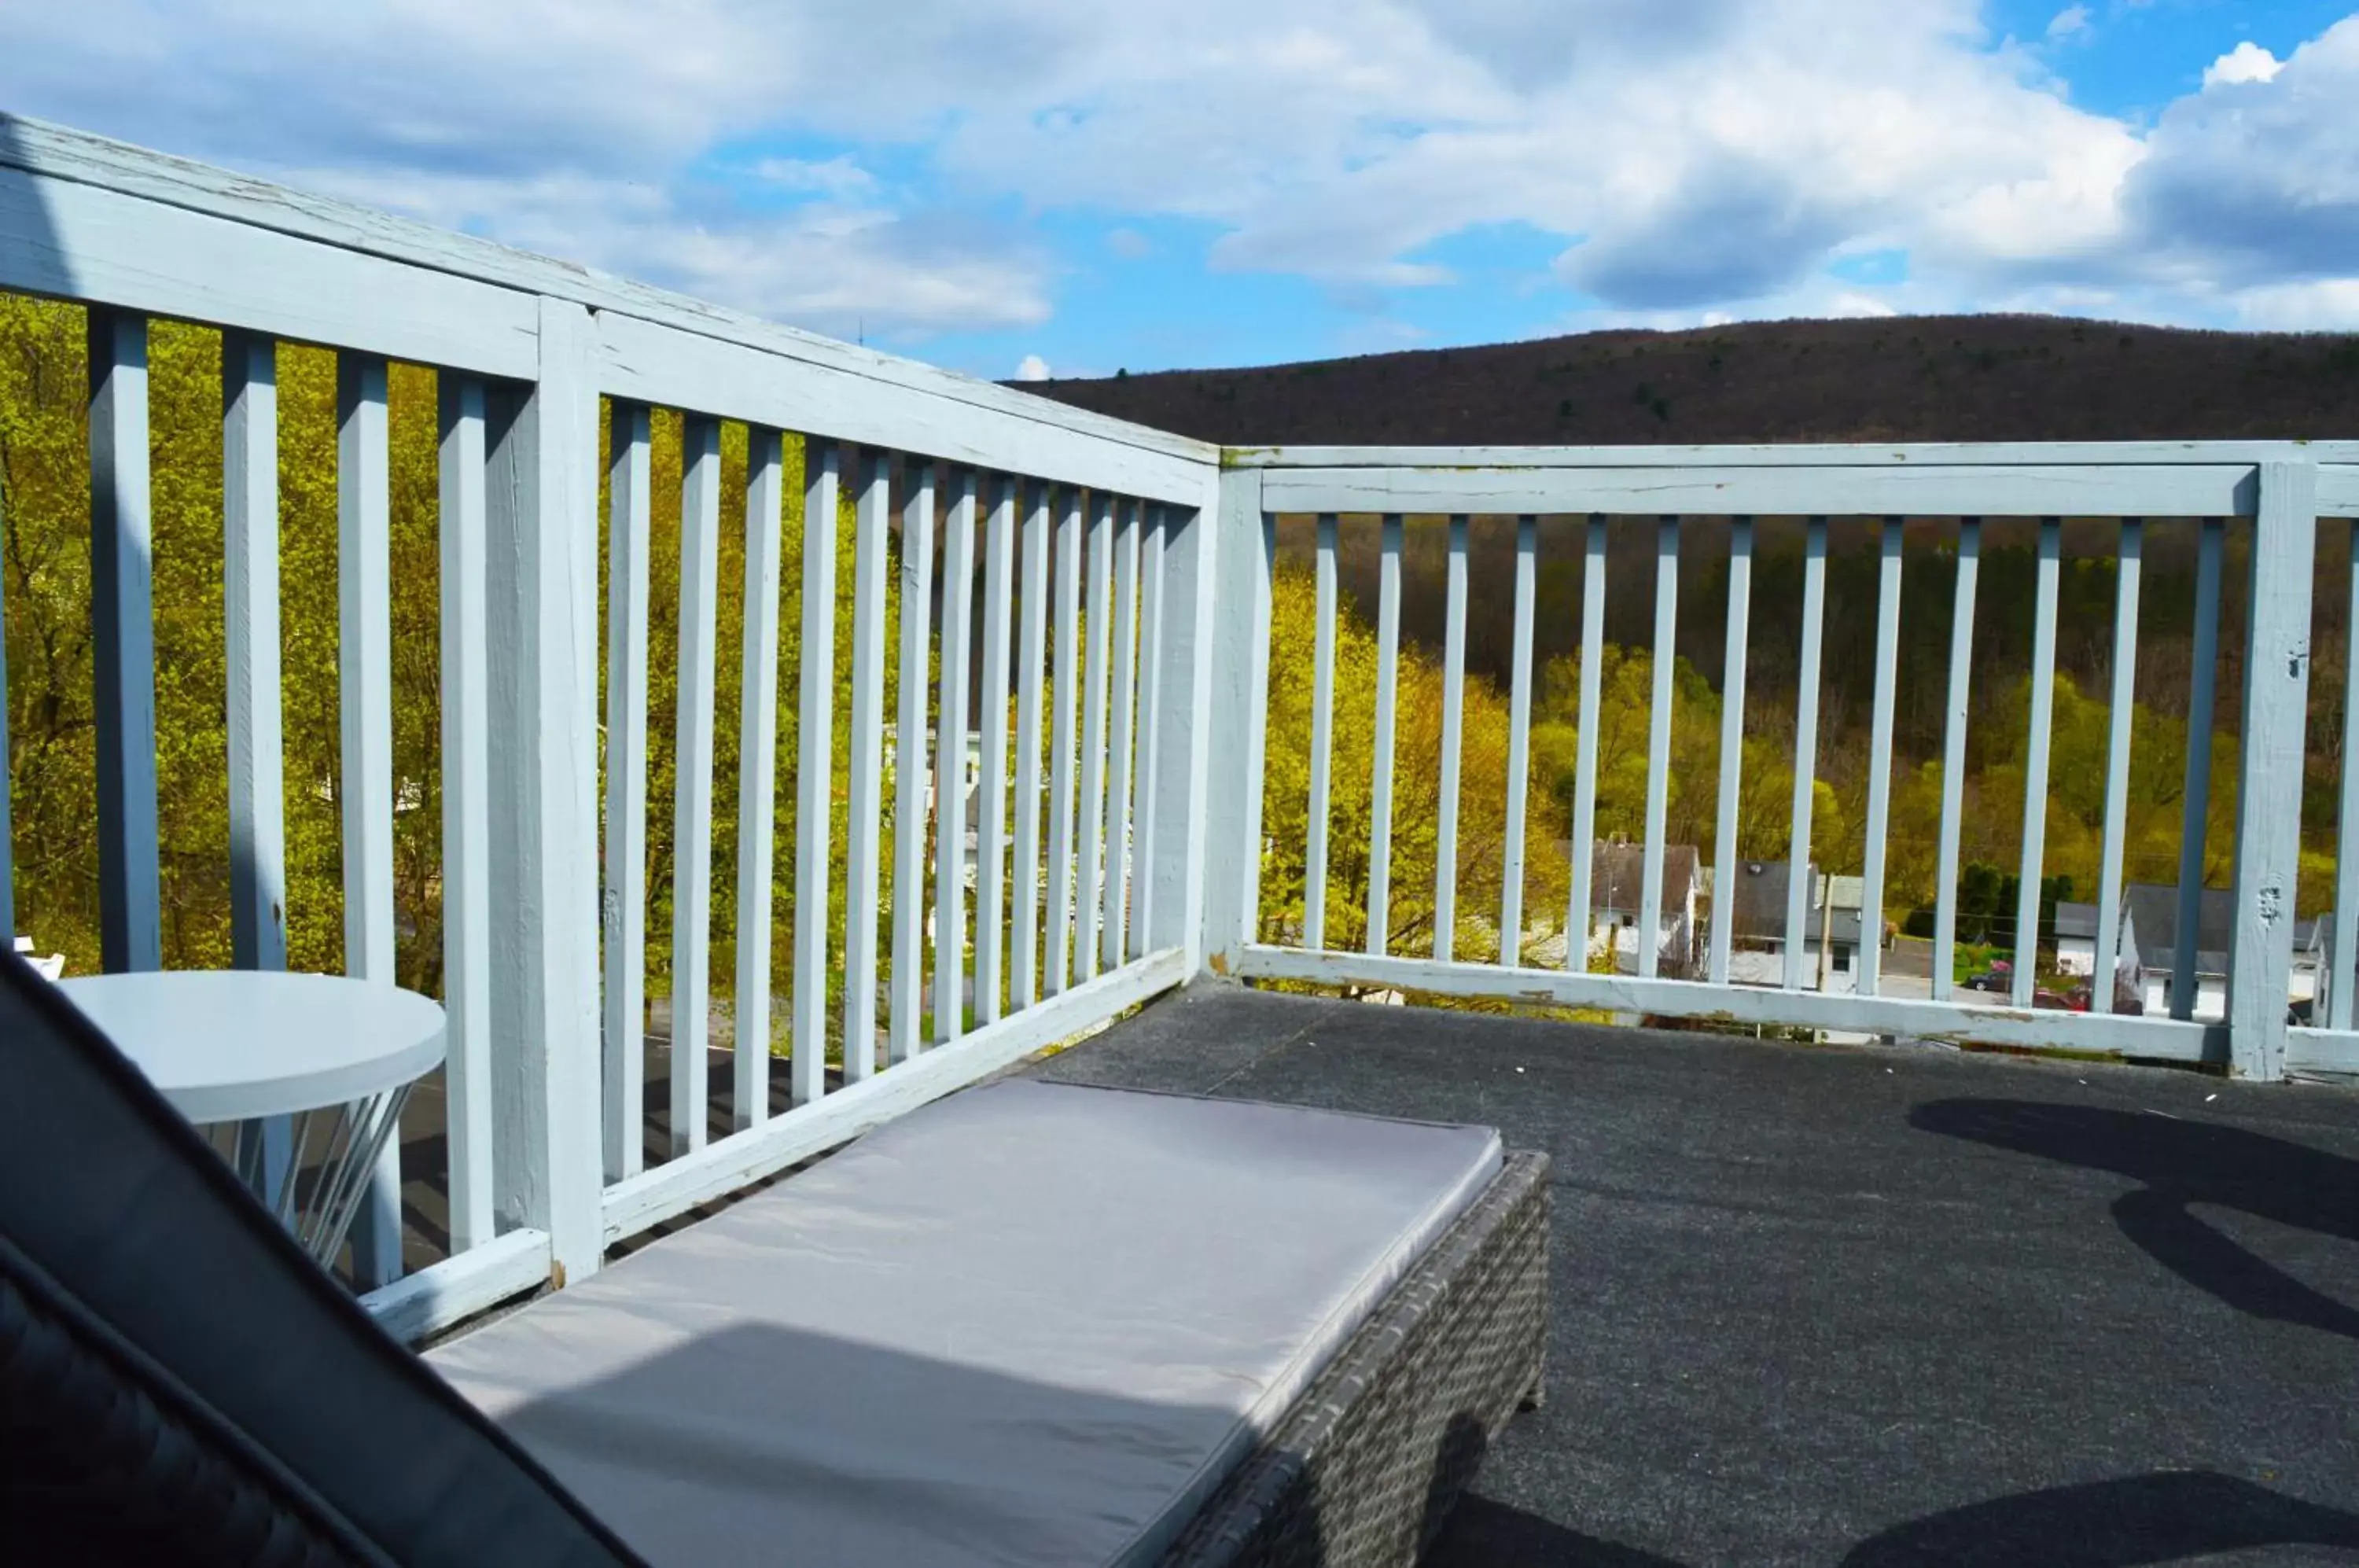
{"x": 1871, "y": 1307}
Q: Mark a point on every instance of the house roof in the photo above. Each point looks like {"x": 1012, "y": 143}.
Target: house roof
{"x": 1618, "y": 874}
{"x": 2076, "y": 920}
{"x": 1757, "y": 906}
{"x": 2153, "y": 913}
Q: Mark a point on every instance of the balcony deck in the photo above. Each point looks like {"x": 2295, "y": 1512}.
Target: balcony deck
{"x": 1871, "y": 1306}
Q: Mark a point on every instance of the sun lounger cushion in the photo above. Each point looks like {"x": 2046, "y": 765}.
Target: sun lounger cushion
{"x": 1033, "y": 1324}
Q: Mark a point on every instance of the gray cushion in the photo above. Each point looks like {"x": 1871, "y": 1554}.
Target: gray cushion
{"x": 1033, "y": 1324}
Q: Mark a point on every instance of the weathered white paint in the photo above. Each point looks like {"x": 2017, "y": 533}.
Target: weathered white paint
{"x": 2343, "y": 961}
{"x": 1519, "y": 741}
{"x": 1746, "y": 1004}
{"x": 909, "y": 770}
{"x": 1233, "y": 707}
{"x": 1806, "y": 751}
{"x": 2025, "y": 489}
{"x": 1096, "y": 656}
{"x": 691, "y": 863}
{"x": 122, "y": 636}
{"x": 447, "y": 1293}
{"x": 2271, "y": 766}
{"x": 543, "y": 603}
{"x": 949, "y": 760}
{"x": 1031, "y": 680}
{"x": 1953, "y": 756}
{"x": 1880, "y": 758}
{"x": 1062, "y": 743}
{"x": 864, "y": 822}
{"x": 2330, "y": 1054}
{"x": 67, "y": 239}
{"x": 2104, "y": 949}
{"x": 1146, "y": 855}
{"x": 815, "y": 769}
{"x": 624, "y": 904}
{"x": 1120, "y": 737}
{"x": 2338, "y": 486}
{"x": 1453, "y": 742}
{"x": 757, "y": 763}
{"x": 2035, "y": 765}
{"x": 992, "y": 719}
{"x": 732, "y": 1162}
{"x": 2195, "y": 815}
{"x": 1177, "y": 913}
{"x": 1800, "y": 454}
{"x": 365, "y": 780}
{"x": 1380, "y": 781}
{"x": 1323, "y": 744}
{"x": 1585, "y": 785}
{"x": 1732, "y": 745}
{"x": 1658, "y": 761}
{"x": 466, "y": 816}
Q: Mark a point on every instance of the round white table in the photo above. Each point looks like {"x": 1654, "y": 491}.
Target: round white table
{"x": 336, "y": 1055}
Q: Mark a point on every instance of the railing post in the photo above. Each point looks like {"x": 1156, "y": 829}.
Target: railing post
{"x": 543, "y": 612}
{"x": 1227, "y": 840}
{"x": 1189, "y": 661}
{"x": 2269, "y": 767}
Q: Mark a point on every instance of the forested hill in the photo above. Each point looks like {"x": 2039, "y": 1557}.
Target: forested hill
{"x": 1904, "y": 378}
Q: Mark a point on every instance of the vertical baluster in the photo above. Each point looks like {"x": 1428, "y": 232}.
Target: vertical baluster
{"x": 1799, "y": 890}
{"x": 757, "y": 761}
{"x": 2197, "y": 814}
{"x": 1380, "y": 777}
{"x": 1453, "y": 742}
{"x": 257, "y": 809}
{"x": 1094, "y": 657}
{"x": 991, "y": 814}
{"x": 2341, "y": 977}
{"x": 7, "y": 825}
{"x": 1658, "y": 746}
{"x": 2035, "y": 771}
{"x": 1580, "y": 912}
{"x": 364, "y": 666}
{"x": 122, "y": 661}
{"x": 629, "y": 500}
{"x": 1519, "y": 737}
{"x": 1879, "y": 758}
{"x": 466, "y": 814}
{"x": 692, "y": 865}
{"x": 1031, "y": 659}
{"x": 1060, "y": 765}
{"x": 1953, "y": 757}
{"x": 908, "y": 980}
{"x": 814, "y": 771}
{"x": 1323, "y": 744}
{"x": 1731, "y": 749}
{"x": 865, "y": 826}
{"x": 1144, "y": 857}
{"x": 950, "y": 762}
{"x": 1123, "y": 721}
{"x": 2104, "y": 960}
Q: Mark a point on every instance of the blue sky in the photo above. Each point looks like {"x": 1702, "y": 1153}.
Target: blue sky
{"x": 1023, "y": 186}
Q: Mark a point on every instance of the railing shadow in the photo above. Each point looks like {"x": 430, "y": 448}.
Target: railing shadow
{"x": 2182, "y": 1163}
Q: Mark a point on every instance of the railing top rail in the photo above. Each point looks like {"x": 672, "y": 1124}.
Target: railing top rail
{"x": 58, "y": 152}
{"x": 1863, "y": 454}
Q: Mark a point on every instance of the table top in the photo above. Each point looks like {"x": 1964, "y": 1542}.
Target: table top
{"x": 225, "y": 1045}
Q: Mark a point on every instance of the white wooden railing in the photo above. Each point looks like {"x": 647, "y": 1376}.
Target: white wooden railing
{"x": 2283, "y": 489}
{"x": 544, "y": 1007}
{"x": 1125, "y": 603}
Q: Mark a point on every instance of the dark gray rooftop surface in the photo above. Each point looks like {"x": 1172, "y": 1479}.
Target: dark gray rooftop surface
{"x": 1871, "y": 1307}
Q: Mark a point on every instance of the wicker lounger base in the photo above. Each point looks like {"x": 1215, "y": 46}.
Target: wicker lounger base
{"x": 1365, "y": 1469}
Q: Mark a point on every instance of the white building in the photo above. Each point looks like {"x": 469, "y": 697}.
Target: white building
{"x": 1616, "y": 890}
{"x": 1756, "y": 906}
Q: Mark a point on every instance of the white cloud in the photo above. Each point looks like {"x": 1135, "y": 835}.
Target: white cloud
{"x": 1694, "y": 157}
{"x": 2248, "y": 61}
{"x": 1129, "y": 245}
{"x": 2331, "y": 305}
{"x": 1032, "y": 367}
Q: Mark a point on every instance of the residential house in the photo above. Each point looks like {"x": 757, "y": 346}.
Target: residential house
{"x": 2150, "y": 948}
{"x": 2074, "y": 928}
{"x": 1757, "y": 909}
{"x": 1617, "y": 881}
